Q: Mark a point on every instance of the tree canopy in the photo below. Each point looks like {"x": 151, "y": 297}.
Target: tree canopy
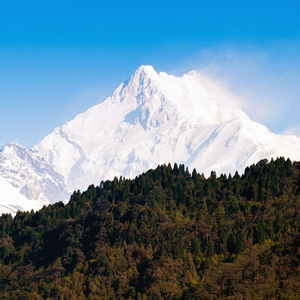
{"x": 167, "y": 234}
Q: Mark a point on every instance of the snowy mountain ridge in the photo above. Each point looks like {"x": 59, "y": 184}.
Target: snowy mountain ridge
{"x": 151, "y": 119}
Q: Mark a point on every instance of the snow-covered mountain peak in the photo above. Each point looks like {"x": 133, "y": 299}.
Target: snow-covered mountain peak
{"x": 153, "y": 118}
{"x": 159, "y": 97}
{"x": 10, "y": 147}
{"x": 13, "y": 151}
{"x": 145, "y": 71}
{"x": 134, "y": 90}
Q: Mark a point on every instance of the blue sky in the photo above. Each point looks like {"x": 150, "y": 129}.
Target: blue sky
{"x": 58, "y": 58}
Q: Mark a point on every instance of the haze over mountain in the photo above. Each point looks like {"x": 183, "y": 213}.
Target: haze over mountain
{"x": 153, "y": 118}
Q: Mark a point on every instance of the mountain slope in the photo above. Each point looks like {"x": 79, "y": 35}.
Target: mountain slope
{"x": 156, "y": 118}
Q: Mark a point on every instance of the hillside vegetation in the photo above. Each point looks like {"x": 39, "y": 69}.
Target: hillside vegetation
{"x": 167, "y": 234}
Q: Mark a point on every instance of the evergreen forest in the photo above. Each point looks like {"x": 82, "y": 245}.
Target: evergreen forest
{"x": 170, "y": 233}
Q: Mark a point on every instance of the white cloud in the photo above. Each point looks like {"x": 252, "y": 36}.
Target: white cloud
{"x": 266, "y": 77}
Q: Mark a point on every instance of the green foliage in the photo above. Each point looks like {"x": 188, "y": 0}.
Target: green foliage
{"x": 167, "y": 234}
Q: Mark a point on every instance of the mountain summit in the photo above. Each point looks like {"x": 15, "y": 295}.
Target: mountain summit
{"x": 156, "y": 118}
{"x": 191, "y": 96}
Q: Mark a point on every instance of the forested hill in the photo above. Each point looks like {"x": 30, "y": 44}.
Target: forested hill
{"x": 168, "y": 234}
